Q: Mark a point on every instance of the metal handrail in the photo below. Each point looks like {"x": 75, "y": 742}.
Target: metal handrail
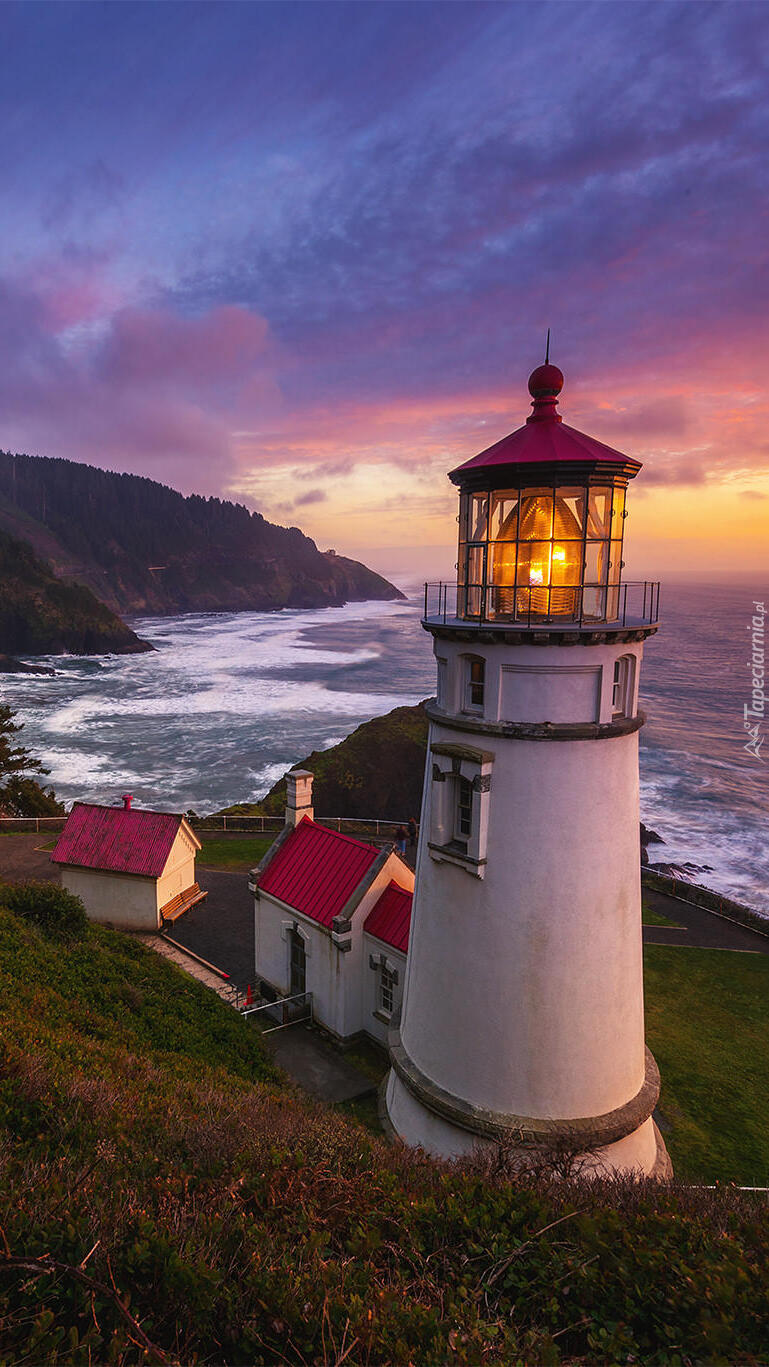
{"x": 645, "y": 610}
{"x": 305, "y": 997}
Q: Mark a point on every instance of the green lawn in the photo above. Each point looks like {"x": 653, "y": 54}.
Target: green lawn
{"x": 655, "y": 918}
{"x": 707, "y": 1024}
{"x": 234, "y": 853}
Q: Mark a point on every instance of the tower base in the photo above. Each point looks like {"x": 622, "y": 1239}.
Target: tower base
{"x": 642, "y": 1153}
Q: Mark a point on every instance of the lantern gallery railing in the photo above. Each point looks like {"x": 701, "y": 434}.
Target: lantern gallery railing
{"x": 583, "y": 605}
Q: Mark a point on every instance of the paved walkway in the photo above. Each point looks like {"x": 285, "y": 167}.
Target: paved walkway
{"x": 698, "y": 928}
{"x": 21, "y": 857}
{"x": 317, "y": 1066}
{"x": 221, "y": 929}
{"x": 186, "y": 962}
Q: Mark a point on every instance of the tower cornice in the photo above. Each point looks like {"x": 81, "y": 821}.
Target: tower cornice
{"x": 588, "y": 1132}
{"x": 468, "y": 632}
{"x": 510, "y": 730}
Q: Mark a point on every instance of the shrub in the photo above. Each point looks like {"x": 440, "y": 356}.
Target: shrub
{"x": 46, "y": 905}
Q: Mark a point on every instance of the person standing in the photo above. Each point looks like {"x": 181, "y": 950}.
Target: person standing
{"x": 400, "y": 839}
{"x": 412, "y": 829}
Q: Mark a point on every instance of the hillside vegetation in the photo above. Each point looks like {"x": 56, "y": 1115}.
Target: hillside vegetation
{"x": 144, "y": 548}
{"x": 41, "y": 615}
{"x": 165, "y": 1199}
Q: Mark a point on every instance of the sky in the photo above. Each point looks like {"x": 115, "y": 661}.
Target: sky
{"x": 304, "y": 255}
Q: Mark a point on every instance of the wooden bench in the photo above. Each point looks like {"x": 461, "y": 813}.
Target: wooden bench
{"x": 182, "y": 902}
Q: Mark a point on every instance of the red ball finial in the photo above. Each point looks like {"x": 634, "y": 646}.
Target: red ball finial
{"x": 545, "y": 382}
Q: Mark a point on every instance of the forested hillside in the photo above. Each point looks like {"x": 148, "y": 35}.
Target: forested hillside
{"x": 144, "y": 548}
{"x": 40, "y": 615}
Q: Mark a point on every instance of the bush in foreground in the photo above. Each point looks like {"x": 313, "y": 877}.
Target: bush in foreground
{"x": 46, "y": 905}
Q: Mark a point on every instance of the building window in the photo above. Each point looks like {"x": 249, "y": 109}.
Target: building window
{"x": 297, "y": 964}
{"x": 475, "y": 681}
{"x": 622, "y": 687}
{"x": 387, "y": 980}
{"x": 463, "y": 824}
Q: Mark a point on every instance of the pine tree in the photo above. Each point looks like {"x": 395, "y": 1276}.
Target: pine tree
{"x": 20, "y": 793}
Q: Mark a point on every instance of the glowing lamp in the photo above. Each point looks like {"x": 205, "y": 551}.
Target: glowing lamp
{"x": 541, "y": 521}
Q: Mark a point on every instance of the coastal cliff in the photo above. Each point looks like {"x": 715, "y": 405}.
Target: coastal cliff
{"x": 377, "y": 771}
{"x": 143, "y": 548}
{"x": 41, "y": 615}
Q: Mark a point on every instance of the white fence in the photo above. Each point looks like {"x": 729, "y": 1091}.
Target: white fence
{"x": 230, "y": 825}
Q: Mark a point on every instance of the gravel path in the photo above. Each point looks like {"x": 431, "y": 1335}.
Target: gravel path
{"x": 22, "y": 857}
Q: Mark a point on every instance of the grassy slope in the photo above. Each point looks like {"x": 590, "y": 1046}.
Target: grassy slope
{"x": 137, "y": 1114}
{"x": 707, "y": 1023}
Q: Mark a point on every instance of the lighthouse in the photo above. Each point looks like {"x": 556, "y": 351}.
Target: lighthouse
{"x": 522, "y": 1017}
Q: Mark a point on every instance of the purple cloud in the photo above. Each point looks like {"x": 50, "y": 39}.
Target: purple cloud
{"x": 312, "y": 496}
{"x": 211, "y": 268}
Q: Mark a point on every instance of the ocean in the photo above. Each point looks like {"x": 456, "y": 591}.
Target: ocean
{"x": 228, "y": 701}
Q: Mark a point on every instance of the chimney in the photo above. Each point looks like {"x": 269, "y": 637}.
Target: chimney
{"x": 127, "y": 800}
{"x": 298, "y": 796}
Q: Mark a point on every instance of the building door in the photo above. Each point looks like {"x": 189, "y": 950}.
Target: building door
{"x": 298, "y": 965}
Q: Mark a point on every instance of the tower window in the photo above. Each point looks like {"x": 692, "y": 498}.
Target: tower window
{"x": 387, "y": 980}
{"x": 458, "y": 805}
{"x": 464, "y": 812}
{"x": 622, "y": 686}
{"x": 443, "y": 674}
{"x": 475, "y": 681}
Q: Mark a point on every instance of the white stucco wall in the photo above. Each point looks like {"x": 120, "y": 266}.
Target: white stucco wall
{"x": 338, "y": 979}
{"x": 324, "y": 968}
{"x": 636, "y": 1153}
{"x": 524, "y": 989}
{"x": 537, "y": 684}
{"x": 117, "y": 899}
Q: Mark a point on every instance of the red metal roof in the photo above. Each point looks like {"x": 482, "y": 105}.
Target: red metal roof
{"x": 390, "y": 918}
{"x": 545, "y": 443}
{"x": 117, "y": 839}
{"x": 545, "y": 439}
{"x": 316, "y": 870}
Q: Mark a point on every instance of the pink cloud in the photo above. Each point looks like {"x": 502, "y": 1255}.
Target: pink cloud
{"x": 154, "y": 346}
{"x": 72, "y": 288}
{"x": 150, "y": 391}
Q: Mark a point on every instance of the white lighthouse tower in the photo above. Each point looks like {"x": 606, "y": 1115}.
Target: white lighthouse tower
{"x": 523, "y": 1005}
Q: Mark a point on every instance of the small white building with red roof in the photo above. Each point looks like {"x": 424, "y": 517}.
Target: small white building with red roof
{"x": 332, "y": 917}
{"x": 132, "y": 868}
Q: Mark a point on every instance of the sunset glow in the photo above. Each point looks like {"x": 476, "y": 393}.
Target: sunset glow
{"x": 304, "y": 256}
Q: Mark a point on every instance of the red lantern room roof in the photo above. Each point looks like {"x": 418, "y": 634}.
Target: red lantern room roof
{"x": 546, "y": 442}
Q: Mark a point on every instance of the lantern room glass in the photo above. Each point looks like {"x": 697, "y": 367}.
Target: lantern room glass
{"x": 549, "y": 553}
